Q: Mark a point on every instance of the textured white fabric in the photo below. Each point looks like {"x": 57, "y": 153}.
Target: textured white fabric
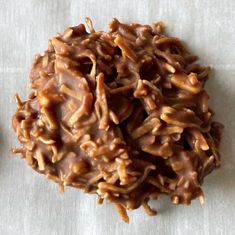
{"x": 30, "y": 204}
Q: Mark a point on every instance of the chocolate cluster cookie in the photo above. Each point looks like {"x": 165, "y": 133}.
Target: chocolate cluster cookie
{"x": 122, "y": 114}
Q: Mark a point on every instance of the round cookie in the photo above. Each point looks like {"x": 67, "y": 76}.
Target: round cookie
{"x": 122, "y": 114}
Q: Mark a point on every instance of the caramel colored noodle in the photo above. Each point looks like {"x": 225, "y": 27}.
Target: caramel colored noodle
{"x": 122, "y": 212}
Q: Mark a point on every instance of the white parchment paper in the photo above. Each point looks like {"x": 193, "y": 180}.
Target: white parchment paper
{"x": 30, "y": 204}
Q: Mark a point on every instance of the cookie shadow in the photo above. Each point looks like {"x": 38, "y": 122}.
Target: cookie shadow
{"x": 1, "y": 138}
{"x": 222, "y": 98}
{"x": 2, "y": 146}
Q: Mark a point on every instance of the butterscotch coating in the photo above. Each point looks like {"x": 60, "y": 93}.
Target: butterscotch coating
{"x": 121, "y": 114}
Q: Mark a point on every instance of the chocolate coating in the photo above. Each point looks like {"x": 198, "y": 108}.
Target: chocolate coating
{"x": 122, "y": 114}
